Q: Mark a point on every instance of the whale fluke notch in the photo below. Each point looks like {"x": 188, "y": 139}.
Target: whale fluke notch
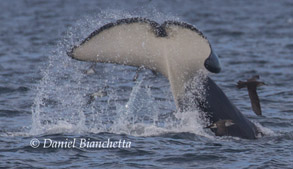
{"x": 142, "y": 42}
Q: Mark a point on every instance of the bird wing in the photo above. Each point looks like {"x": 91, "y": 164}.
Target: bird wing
{"x": 255, "y": 104}
{"x": 241, "y": 84}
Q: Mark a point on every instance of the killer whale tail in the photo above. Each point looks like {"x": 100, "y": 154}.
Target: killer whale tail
{"x": 175, "y": 49}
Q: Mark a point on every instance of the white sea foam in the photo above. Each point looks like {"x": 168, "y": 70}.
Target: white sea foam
{"x": 264, "y": 130}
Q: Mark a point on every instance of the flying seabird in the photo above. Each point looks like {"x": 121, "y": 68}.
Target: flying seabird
{"x": 251, "y": 85}
{"x": 221, "y": 127}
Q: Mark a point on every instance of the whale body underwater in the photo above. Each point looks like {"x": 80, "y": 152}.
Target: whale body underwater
{"x": 178, "y": 51}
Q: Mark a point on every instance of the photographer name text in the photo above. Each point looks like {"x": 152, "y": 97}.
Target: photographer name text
{"x": 81, "y": 143}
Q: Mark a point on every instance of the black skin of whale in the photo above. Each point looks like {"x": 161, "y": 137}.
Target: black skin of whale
{"x": 217, "y": 107}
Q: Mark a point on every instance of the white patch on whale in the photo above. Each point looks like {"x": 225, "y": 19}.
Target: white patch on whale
{"x": 178, "y": 56}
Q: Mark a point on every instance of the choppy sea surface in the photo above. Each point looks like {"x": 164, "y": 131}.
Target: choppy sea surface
{"x": 44, "y": 94}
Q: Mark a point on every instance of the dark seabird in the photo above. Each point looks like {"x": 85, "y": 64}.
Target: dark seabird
{"x": 251, "y": 85}
{"x": 221, "y": 126}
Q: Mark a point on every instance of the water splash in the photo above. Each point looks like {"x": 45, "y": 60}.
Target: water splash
{"x": 265, "y": 131}
{"x": 140, "y": 108}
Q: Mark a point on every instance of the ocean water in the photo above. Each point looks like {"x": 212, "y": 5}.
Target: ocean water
{"x": 45, "y": 95}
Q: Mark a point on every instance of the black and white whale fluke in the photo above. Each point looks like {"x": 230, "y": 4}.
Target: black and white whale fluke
{"x": 175, "y": 49}
{"x": 251, "y": 85}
